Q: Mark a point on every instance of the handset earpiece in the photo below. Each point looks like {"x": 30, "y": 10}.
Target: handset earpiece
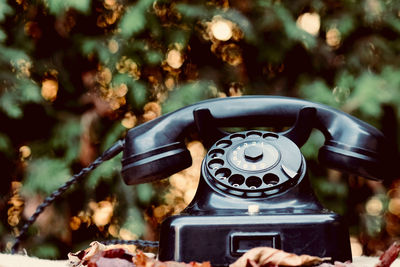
{"x": 156, "y": 164}
{"x": 355, "y": 147}
{"x": 154, "y": 151}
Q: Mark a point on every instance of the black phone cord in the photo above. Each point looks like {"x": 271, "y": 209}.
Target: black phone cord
{"x": 137, "y": 242}
{"x": 108, "y": 154}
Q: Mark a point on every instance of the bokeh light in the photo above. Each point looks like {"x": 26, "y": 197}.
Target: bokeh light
{"x": 25, "y": 152}
{"x": 394, "y": 206}
{"x": 102, "y": 212}
{"x": 129, "y": 120}
{"x": 333, "y": 37}
{"x": 221, "y": 29}
{"x": 309, "y": 22}
{"x": 374, "y": 206}
{"x": 49, "y": 89}
{"x": 151, "y": 110}
{"x": 129, "y": 66}
{"x": 174, "y": 58}
{"x": 113, "y": 46}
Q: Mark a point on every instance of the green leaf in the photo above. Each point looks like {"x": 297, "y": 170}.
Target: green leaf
{"x": 3, "y": 36}
{"x": 29, "y": 91}
{"x": 134, "y": 221}
{"x": 393, "y": 22}
{"x": 58, "y": 6}
{"x": 369, "y": 93}
{"x": 46, "y": 251}
{"x": 318, "y": 91}
{"x": 115, "y": 133}
{"x": 314, "y": 142}
{"x": 89, "y": 46}
{"x": 12, "y": 55}
{"x": 96, "y": 45}
{"x": 154, "y": 57}
{"x": 132, "y": 22}
{"x": 137, "y": 94}
{"x": 9, "y": 104}
{"x": 137, "y": 90}
{"x": 106, "y": 171}
{"x": 24, "y": 91}
{"x": 46, "y": 175}
{"x": 5, "y": 143}
{"x": 144, "y": 192}
{"x": 189, "y": 94}
{"x": 66, "y": 137}
{"x": 5, "y": 10}
{"x": 178, "y": 37}
{"x": 193, "y": 11}
{"x": 134, "y": 19}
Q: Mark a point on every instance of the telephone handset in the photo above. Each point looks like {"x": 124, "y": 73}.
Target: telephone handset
{"x": 253, "y": 189}
{"x": 156, "y": 149}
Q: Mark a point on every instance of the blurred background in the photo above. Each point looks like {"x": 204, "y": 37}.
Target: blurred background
{"x": 75, "y": 75}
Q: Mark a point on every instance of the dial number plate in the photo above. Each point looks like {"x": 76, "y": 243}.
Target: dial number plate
{"x": 254, "y": 156}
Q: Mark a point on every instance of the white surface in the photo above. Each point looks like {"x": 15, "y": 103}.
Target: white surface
{"x": 364, "y": 261}
{"x": 7, "y": 260}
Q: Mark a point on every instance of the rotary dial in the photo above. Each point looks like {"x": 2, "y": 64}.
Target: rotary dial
{"x": 253, "y": 164}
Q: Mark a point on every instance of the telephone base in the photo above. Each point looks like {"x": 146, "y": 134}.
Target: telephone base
{"x": 223, "y": 239}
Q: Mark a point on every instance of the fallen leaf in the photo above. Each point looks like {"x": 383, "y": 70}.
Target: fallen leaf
{"x": 266, "y": 256}
{"x": 99, "y": 255}
{"x": 389, "y": 256}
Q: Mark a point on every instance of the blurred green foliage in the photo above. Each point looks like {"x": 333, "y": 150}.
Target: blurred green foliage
{"x": 75, "y": 75}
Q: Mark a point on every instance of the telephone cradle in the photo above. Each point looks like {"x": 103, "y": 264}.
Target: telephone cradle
{"x": 254, "y": 189}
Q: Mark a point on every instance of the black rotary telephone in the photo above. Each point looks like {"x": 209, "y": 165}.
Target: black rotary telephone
{"x": 254, "y": 189}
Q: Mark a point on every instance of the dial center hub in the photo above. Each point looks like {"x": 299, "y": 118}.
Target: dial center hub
{"x": 253, "y": 153}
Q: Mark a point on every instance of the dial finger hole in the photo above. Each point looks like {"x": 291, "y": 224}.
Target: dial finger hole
{"x": 253, "y": 182}
{"x": 271, "y": 179}
{"x": 270, "y": 136}
{"x": 224, "y": 143}
{"x": 236, "y": 180}
{"x": 215, "y": 164}
{"x": 223, "y": 173}
{"x": 253, "y": 134}
{"x": 237, "y": 137}
{"x": 216, "y": 153}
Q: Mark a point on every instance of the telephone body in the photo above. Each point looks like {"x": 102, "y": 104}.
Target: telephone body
{"x": 254, "y": 190}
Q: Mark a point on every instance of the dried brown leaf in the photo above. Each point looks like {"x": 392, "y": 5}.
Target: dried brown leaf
{"x": 99, "y": 255}
{"x": 389, "y": 256}
{"x": 266, "y": 256}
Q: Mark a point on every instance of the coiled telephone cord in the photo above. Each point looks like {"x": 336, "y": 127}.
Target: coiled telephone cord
{"x": 108, "y": 154}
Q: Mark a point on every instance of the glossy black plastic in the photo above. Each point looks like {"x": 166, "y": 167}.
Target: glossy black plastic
{"x": 253, "y": 188}
{"x": 222, "y": 239}
{"x": 350, "y": 145}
